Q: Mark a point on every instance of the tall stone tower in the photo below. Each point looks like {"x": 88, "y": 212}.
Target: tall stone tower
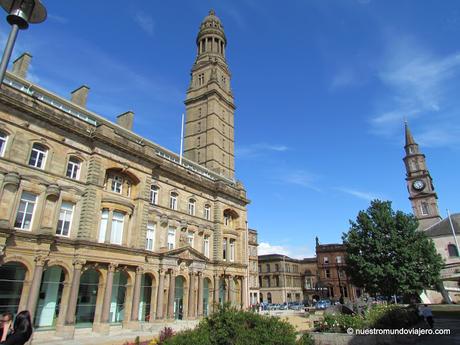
{"x": 420, "y": 184}
{"x": 209, "y": 131}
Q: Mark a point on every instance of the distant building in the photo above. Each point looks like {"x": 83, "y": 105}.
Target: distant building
{"x": 253, "y": 267}
{"x": 332, "y": 277}
{"x": 424, "y": 200}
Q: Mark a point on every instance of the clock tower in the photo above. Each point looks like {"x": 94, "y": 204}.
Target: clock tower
{"x": 209, "y": 130}
{"x": 420, "y": 184}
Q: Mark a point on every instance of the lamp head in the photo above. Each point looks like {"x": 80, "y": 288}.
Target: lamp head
{"x": 23, "y": 12}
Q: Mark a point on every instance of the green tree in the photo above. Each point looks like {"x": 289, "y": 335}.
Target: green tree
{"x": 387, "y": 255}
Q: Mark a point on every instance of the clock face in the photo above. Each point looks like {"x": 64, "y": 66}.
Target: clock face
{"x": 418, "y": 185}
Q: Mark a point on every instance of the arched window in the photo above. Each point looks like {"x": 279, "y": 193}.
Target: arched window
{"x": 207, "y": 212}
{"x": 453, "y": 250}
{"x": 120, "y": 181}
{"x": 173, "y": 200}
{"x": 3, "y": 139}
{"x": 73, "y": 168}
{"x": 191, "y": 207}
{"x": 38, "y": 156}
{"x": 424, "y": 208}
{"x": 153, "y": 195}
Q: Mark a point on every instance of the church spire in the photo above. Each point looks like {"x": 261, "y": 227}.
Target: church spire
{"x": 419, "y": 184}
{"x": 409, "y": 138}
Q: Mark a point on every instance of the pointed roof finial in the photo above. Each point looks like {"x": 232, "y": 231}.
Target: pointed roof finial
{"x": 409, "y": 138}
{"x": 212, "y": 12}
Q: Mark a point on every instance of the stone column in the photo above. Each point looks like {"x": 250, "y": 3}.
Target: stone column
{"x": 171, "y": 294}
{"x": 229, "y": 289}
{"x": 160, "y": 293}
{"x": 191, "y": 295}
{"x": 244, "y": 292}
{"x": 72, "y": 305}
{"x": 108, "y": 293}
{"x": 40, "y": 262}
{"x": 200, "y": 294}
{"x": 49, "y": 210}
{"x": 216, "y": 292}
{"x": 136, "y": 294}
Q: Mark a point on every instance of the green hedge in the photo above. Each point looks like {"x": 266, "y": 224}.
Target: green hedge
{"x": 229, "y": 326}
{"x": 378, "y": 316}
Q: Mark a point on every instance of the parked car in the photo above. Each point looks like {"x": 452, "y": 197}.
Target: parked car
{"x": 323, "y": 304}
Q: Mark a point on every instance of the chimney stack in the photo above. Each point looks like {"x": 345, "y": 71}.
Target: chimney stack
{"x": 21, "y": 65}
{"x": 125, "y": 120}
{"x": 79, "y": 96}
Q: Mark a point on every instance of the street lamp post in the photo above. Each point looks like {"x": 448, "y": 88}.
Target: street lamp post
{"x": 21, "y": 13}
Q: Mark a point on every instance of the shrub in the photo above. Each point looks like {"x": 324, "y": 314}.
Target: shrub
{"x": 165, "y": 334}
{"x": 305, "y": 339}
{"x": 229, "y": 326}
{"x": 378, "y": 316}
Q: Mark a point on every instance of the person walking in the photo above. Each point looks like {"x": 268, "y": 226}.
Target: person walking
{"x": 22, "y": 330}
{"x": 428, "y": 315}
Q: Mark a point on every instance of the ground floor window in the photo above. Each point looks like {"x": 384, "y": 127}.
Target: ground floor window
{"x": 179, "y": 298}
{"x": 145, "y": 304}
{"x": 206, "y": 297}
{"x": 269, "y": 297}
{"x": 49, "y": 299}
{"x": 12, "y": 277}
{"x": 117, "y": 305}
{"x": 87, "y": 297}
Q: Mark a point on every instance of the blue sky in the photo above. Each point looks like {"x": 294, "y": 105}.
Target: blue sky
{"x": 321, "y": 87}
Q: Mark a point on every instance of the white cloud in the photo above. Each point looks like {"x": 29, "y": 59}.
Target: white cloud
{"x": 145, "y": 22}
{"x": 418, "y": 84}
{"x": 301, "y": 178}
{"x": 259, "y": 149}
{"x": 296, "y": 252}
{"x": 359, "y": 194}
{"x": 57, "y": 18}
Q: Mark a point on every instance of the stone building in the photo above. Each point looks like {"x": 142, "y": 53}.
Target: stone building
{"x": 280, "y": 279}
{"x": 424, "y": 200}
{"x": 253, "y": 268}
{"x": 102, "y": 227}
{"x": 332, "y": 280}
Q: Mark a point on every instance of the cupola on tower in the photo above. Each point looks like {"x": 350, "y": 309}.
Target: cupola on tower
{"x": 209, "y": 125}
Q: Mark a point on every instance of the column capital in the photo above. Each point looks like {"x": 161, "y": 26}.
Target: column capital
{"x": 112, "y": 267}
{"x": 78, "y": 263}
{"x": 162, "y": 272}
{"x": 40, "y": 260}
{"x": 139, "y": 270}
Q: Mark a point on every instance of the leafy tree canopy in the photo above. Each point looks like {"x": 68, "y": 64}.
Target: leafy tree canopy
{"x": 387, "y": 255}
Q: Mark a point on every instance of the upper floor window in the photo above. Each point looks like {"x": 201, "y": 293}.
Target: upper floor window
{"x": 73, "y": 168}
{"x": 277, "y": 267}
{"x": 288, "y": 268}
{"x": 171, "y": 238}
{"x": 326, "y": 259}
{"x": 338, "y": 259}
{"x": 190, "y": 239}
{"x": 153, "y": 195}
{"x": 191, "y": 207}
{"x": 173, "y": 201}
{"x": 206, "y": 246}
{"x": 268, "y": 267}
{"x": 150, "y": 236}
{"x": 224, "y": 249}
{"x": 38, "y": 156}
{"x": 117, "y": 184}
{"x": 114, "y": 234}
{"x": 227, "y": 220}
{"x": 295, "y": 268}
{"x": 65, "y": 219}
{"x": 232, "y": 250}
{"x": 3, "y": 139}
{"x": 327, "y": 273}
{"x": 120, "y": 182}
{"x": 424, "y": 208}
{"x": 453, "y": 251}
{"x": 25, "y": 211}
{"x": 207, "y": 212}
